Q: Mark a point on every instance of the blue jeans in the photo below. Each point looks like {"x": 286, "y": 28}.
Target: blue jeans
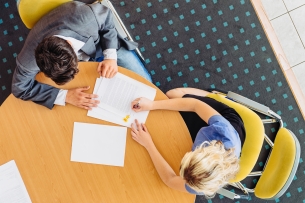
{"x": 130, "y": 60}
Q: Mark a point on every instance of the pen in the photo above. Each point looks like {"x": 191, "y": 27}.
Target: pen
{"x": 136, "y": 106}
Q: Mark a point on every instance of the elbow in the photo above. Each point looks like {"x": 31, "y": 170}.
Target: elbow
{"x": 168, "y": 180}
{"x": 175, "y": 93}
{"x": 167, "y": 183}
{"x": 18, "y": 93}
{"x": 197, "y": 106}
{"x": 18, "y": 88}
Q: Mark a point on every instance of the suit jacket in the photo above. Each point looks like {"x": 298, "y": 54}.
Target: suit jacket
{"x": 89, "y": 23}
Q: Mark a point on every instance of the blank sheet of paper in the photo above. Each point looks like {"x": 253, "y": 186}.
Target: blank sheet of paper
{"x": 98, "y": 144}
{"x": 12, "y": 188}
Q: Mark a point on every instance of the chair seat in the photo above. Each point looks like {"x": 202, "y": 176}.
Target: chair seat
{"x": 254, "y": 136}
{"x": 31, "y": 11}
{"x": 281, "y": 166}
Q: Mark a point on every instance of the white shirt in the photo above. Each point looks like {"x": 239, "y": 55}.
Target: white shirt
{"x": 77, "y": 45}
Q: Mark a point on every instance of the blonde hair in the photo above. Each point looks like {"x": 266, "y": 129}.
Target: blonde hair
{"x": 209, "y": 167}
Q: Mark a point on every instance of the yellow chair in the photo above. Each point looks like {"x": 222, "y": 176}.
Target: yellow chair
{"x": 283, "y": 160}
{"x": 31, "y": 11}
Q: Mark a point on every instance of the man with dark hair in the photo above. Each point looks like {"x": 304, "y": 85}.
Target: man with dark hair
{"x": 56, "y": 59}
{"x": 72, "y": 32}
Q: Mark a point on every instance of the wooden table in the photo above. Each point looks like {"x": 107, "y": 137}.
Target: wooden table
{"x": 40, "y": 141}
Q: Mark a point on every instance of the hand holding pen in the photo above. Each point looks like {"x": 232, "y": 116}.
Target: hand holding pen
{"x": 141, "y": 104}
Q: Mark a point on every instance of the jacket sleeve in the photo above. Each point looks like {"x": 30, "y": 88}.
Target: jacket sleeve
{"x": 109, "y": 37}
{"x": 25, "y": 87}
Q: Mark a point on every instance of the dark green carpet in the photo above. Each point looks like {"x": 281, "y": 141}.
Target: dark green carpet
{"x": 199, "y": 44}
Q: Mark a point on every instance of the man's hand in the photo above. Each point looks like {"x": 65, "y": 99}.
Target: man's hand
{"x": 107, "y": 68}
{"x": 79, "y": 98}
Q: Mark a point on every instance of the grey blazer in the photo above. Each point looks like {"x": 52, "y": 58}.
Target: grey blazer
{"x": 89, "y": 23}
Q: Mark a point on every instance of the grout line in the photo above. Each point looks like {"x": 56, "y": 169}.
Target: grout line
{"x": 294, "y": 8}
{"x": 294, "y": 86}
{"x": 281, "y": 14}
{"x": 285, "y": 12}
{"x": 297, "y": 64}
{"x": 278, "y": 16}
{"x": 295, "y": 27}
{"x": 292, "y": 20}
{"x": 288, "y": 12}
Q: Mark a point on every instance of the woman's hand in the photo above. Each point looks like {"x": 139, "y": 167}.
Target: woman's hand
{"x": 140, "y": 134}
{"x": 141, "y": 104}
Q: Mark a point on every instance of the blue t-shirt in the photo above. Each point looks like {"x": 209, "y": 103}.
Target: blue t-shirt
{"x": 219, "y": 129}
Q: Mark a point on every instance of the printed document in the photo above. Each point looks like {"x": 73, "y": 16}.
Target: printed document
{"x": 115, "y": 96}
{"x": 12, "y": 188}
{"x": 98, "y": 144}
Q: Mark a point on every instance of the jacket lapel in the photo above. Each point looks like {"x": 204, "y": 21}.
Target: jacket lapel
{"x": 89, "y": 46}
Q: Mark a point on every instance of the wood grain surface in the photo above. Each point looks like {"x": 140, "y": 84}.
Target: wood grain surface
{"x": 40, "y": 141}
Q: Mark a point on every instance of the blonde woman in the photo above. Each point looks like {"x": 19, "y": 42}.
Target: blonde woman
{"x": 217, "y": 132}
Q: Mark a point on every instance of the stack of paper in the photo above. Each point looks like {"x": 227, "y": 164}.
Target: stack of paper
{"x": 12, "y": 188}
{"x": 115, "y": 96}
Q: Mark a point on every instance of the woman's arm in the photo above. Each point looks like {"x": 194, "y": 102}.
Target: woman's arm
{"x": 179, "y": 92}
{"x": 168, "y": 176}
{"x": 177, "y": 104}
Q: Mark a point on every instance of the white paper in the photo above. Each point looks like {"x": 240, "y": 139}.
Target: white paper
{"x": 116, "y": 95}
{"x": 12, "y": 188}
{"x": 98, "y": 144}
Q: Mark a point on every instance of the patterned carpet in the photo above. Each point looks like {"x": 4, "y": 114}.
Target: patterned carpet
{"x": 188, "y": 43}
{"x": 215, "y": 44}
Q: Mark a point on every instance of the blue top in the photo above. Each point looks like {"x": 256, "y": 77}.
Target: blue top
{"x": 219, "y": 129}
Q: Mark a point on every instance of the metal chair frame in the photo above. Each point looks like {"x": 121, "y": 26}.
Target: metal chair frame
{"x": 119, "y": 25}
{"x": 274, "y": 118}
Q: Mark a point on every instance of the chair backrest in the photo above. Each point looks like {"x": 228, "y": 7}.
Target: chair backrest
{"x": 281, "y": 166}
{"x": 254, "y": 136}
{"x": 31, "y": 11}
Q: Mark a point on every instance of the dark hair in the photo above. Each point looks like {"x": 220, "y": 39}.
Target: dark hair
{"x": 56, "y": 58}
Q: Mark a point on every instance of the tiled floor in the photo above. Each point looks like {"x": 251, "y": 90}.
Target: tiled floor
{"x": 283, "y": 22}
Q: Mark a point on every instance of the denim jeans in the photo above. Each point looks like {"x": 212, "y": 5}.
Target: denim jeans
{"x": 130, "y": 60}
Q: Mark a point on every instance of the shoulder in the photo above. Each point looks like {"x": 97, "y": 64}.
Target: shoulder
{"x": 219, "y": 129}
{"x": 223, "y": 130}
{"x": 70, "y": 6}
{"x": 190, "y": 190}
{"x": 98, "y": 8}
{"x": 218, "y": 119}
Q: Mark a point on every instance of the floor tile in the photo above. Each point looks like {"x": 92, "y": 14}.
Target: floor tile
{"x": 299, "y": 72}
{"x": 298, "y": 18}
{"x": 290, "y": 75}
{"x": 292, "y": 4}
{"x": 289, "y": 39}
{"x": 274, "y": 8}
